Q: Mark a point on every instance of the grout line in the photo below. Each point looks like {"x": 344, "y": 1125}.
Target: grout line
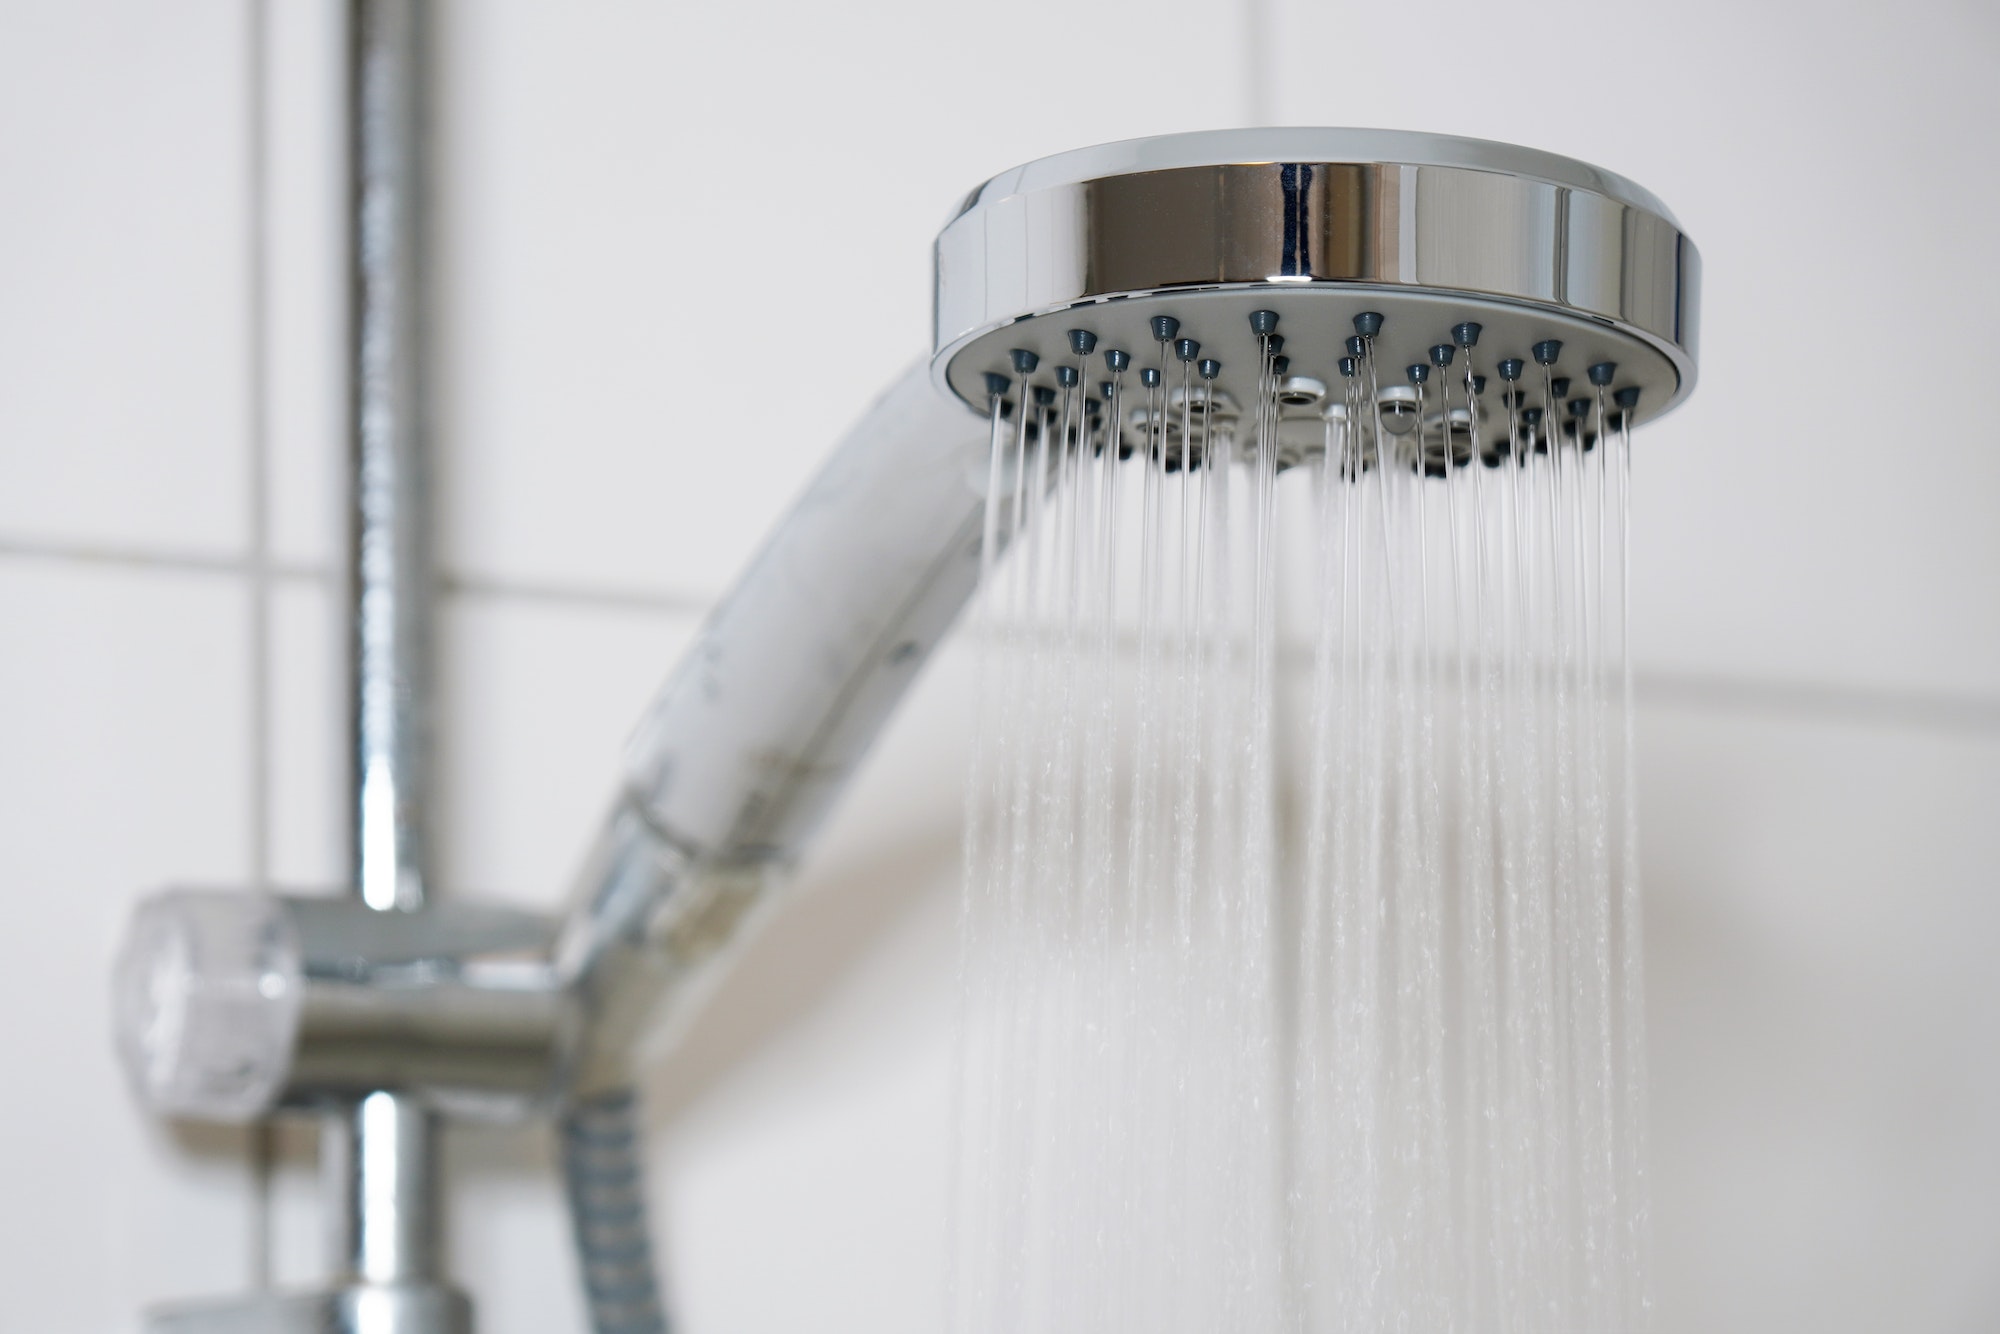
{"x": 1916, "y": 709}
{"x": 93, "y": 553}
{"x": 258, "y": 407}
{"x": 659, "y": 601}
{"x": 258, "y": 463}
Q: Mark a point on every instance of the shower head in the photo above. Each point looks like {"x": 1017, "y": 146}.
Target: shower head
{"x": 1396, "y": 249}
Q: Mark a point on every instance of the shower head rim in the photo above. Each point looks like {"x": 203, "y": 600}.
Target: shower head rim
{"x": 1483, "y": 224}
{"x": 1345, "y": 145}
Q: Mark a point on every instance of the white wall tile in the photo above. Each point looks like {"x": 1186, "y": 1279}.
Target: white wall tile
{"x": 812, "y": 1187}
{"x": 536, "y": 703}
{"x": 308, "y": 763}
{"x": 509, "y": 1235}
{"x": 305, "y": 182}
{"x": 125, "y": 770}
{"x": 1824, "y": 1021}
{"x": 123, "y": 395}
{"x": 1824, "y": 507}
{"x": 685, "y": 246}
{"x": 297, "y": 1235}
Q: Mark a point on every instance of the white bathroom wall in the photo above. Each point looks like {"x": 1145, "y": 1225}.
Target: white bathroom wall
{"x": 679, "y": 247}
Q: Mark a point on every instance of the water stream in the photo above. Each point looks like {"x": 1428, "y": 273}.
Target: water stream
{"x": 1301, "y": 979}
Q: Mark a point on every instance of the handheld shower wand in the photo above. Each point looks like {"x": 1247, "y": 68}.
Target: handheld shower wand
{"x": 1301, "y": 273}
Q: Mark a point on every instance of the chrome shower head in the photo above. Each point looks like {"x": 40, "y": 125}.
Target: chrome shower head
{"x": 1353, "y": 251}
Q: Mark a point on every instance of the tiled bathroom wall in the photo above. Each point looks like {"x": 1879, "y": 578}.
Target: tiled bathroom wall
{"x": 679, "y": 247}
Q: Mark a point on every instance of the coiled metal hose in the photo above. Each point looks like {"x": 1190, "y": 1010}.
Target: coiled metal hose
{"x": 605, "y": 1180}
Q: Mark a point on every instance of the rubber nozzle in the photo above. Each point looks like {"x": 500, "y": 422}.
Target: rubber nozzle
{"x": 1419, "y": 373}
{"x": 1441, "y": 355}
{"x": 1187, "y": 349}
{"x": 1603, "y": 373}
{"x": 1116, "y": 360}
{"x": 1150, "y": 377}
{"x": 1263, "y": 321}
{"x": 996, "y": 384}
{"x": 1281, "y": 366}
{"x": 1347, "y": 367}
{"x": 1082, "y": 342}
{"x": 1547, "y": 351}
{"x": 1466, "y": 334}
{"x": 1510, "y": 369}
{"x": 1165, "y": 327}
{"x": 1024, "y": 361}
{"x": 1209, "y": 368}
{"x": 1357, "y": 346}
{"x": 1627, "y": 398}
{"x": 1368, "y": 323}
{"x": 1066, "y": 376}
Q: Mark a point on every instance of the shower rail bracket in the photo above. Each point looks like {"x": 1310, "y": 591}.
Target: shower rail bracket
{"x": 235, "y": 1005}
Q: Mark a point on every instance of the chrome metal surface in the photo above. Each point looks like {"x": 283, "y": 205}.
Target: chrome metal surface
{"x": 456, "y": 1006}
{"x": 357, "y": 1308}
{"x": 384, "y": 1216}
{"x": 1318, "y": 224}
{"x": 390, "y": 581}
{"x": 389, "y": 1185}
{"x": 758, "y": 729}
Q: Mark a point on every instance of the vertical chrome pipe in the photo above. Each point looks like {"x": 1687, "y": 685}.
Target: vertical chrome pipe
{"x": 382, "y": 1149}
{"x": 381, "y": 1176}
{"x": 390, "y": 577}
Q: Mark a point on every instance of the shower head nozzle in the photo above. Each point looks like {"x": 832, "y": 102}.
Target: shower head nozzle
{"x": 1474, "y": 250}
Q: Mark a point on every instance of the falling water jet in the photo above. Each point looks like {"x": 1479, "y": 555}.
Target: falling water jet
{"x": 1425, "y": 1115}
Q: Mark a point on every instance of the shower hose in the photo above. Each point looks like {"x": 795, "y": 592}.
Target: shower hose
{"x": 605, "y": 1180}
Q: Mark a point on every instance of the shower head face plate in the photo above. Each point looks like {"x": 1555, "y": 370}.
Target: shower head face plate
{"x": 1319, "y": 226}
